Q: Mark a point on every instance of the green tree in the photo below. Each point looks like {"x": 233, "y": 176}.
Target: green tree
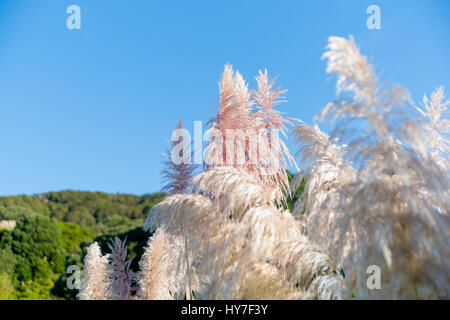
{"x": 7, "y": 291}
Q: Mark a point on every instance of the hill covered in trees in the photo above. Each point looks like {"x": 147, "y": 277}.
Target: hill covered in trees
{"x": 52, "y": 231}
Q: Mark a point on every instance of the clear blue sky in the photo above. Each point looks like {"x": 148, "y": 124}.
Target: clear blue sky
{"x": 92, "y": 109}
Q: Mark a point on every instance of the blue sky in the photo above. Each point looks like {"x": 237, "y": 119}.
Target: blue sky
{"x": 92, "y": 109}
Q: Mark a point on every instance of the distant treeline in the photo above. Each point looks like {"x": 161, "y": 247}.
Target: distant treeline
{"x": 85, "y": 208}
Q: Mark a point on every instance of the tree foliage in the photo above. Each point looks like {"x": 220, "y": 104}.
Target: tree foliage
{"x": 53, "y": 231}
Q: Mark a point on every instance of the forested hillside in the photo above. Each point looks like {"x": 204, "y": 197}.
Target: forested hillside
{"x": 52, "y": 230}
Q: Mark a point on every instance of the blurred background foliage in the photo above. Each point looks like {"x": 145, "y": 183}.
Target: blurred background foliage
{"x": 52, "y": 232}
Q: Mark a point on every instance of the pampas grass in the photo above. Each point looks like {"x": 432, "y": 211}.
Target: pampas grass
{"x": 122, "y": 278}
{"x": 259, "y": 128}
{"x": 223, "y": 238}
{"x": 376, "y": 193}
{"x": 153, "y": 277}
{"x": 95, "y": 281}
{"x": 176, "y": 176}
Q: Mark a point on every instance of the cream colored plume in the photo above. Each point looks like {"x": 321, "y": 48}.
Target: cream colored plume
{"x": 233, "y": 190}
{"x": 380, "y": 197}
{"x": 95, "y": 281}
{"x": 153, "y": 279}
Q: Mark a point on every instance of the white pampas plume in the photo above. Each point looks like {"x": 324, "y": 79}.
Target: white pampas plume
{"x": 152, "y": 277}
{"x": 304, "y": 263}
{"x": 326, "y": 287}
{"x": 181, "y": 215}
{"x": 233, "y": 190}
{"x": 260, "y": 281}
{"x": 95, "y": 282}
{"x": 324, "y": 168}
{"x": 351, "y": 68}
{"x": 247, "y": 239}
{"x": 184, "y": 279}
{"x": 437, "y": 128}
{"x": 266, "y": 227}
{"x": 391, "y": 210}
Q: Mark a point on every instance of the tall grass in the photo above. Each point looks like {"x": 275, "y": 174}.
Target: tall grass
{"x": 378, "y": 189}
{"x": 376, "y": 193}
